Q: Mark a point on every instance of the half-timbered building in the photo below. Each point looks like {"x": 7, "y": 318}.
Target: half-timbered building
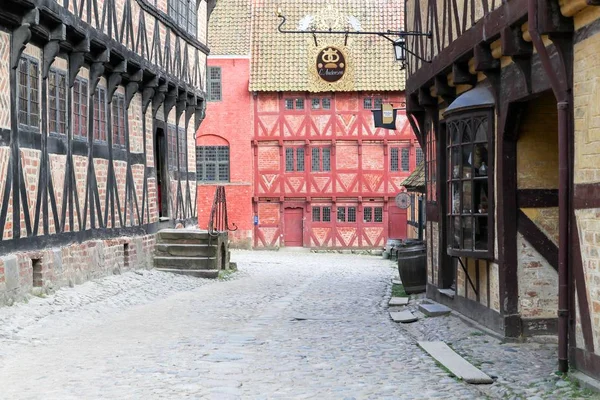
{"x": 99, "y": 104}
{"x": 307, "y": 167}
{"x": 506, "y": 105}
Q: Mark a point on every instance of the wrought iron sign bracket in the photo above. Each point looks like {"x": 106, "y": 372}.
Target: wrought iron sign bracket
{"x": 397, "y": 38}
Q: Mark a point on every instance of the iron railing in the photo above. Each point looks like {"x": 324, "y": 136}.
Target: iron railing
{"x": 218, "y": 222}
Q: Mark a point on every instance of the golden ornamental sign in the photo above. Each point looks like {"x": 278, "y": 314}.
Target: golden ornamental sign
{"x": 331, "y": 64}
{"x": 329, "y": 68}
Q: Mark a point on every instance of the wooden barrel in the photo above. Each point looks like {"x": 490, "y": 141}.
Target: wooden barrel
{"x": 412, "y": 267}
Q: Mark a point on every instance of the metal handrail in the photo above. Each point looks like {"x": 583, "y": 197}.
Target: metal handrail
{"x": 218, "y": 222}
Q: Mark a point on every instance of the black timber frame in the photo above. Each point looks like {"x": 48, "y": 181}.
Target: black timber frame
{"x": 59, "y": 33}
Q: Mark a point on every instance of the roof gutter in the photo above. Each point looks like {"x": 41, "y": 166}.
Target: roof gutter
{"x": 563, "y": 97}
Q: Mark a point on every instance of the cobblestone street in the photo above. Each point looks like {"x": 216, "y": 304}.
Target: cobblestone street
{"x": 286, "y": 326}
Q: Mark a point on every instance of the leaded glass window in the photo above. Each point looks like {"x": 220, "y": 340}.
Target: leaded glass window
{"x": 214, "y": 84}
{"x": 100, "y": 114}
{"x": 28, "y": 93}
{"x": 80, "y": 108}
{"x": 212, "y": 163}
{"x": 405, "y": 159}
{"x": 118, "y": 120}
{"x": 469, "y": 183}
{"x": 185, "y": 14}
{"x": 57, "y": 101}
{"x": 394, "y": 159}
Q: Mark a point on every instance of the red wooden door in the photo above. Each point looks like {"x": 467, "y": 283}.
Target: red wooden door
{"x": 292, "y": 227}
{"x": 397, "y": 223}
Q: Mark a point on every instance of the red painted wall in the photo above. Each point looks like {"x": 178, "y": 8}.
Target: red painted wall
{"x": 229, "y": 122}
{"x": 259, "y": 128}
{"x": 360, "y": 173}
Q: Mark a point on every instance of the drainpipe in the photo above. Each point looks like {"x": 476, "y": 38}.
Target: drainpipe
{"x": 563, "y": 104}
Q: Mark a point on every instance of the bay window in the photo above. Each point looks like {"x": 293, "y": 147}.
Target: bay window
{"x": 469, "y": 155}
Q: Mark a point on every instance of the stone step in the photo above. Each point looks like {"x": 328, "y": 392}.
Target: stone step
{"x": 403, "y": 316}
{"x": 434, "y": 310}
{"x": 398, "y": 301}
{"x": 185, "y": 262}
{"x": 198, "y": 273}
{"x": 185, "y": 250}
{"x": 183, "y": 236}
{"x": 460, "y": 367}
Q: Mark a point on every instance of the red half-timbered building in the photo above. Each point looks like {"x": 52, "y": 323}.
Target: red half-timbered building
{"x": 321, "y": 174}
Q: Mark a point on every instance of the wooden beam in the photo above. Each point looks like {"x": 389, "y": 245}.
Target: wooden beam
{"x": 461, "y": 74}
{"x": 587, "y": 195}
{"x": 513, "y": 44}
{"x": 537, "y": 239}
{"x": 537, "y": 198}
{"x": 484, "y": 61}
{"x": 446, "y": 92}
{"x": 509, "y": 13}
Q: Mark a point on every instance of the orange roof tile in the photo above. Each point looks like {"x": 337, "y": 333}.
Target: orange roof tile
{"x": 282, "y": 62}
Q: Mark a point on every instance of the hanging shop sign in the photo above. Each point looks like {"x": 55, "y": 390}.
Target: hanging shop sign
{"x": 386, "y": 117}
{"x": 331, "y": 64}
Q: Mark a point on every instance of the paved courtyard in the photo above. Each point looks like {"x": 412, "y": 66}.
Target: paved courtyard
{"x": 286, "y": 326}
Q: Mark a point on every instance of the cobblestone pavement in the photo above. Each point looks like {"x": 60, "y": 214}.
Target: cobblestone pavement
{"x": 286, "y": 326}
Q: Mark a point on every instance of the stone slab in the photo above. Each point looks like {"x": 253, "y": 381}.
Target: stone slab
{"x": 447, "y": 292}
{"x": 11, "y": 272}
{"x": 460, "y": 367}
{"x": 398, "y": 301}
{"x": 434, "y": 310}
{"x": 396, "y": 281}
{"x": 403, "y": 316}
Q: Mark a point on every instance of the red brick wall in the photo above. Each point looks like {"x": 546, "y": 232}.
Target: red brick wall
{"x": 229, "y": 122}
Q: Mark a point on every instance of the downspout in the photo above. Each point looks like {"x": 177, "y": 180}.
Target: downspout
{"x": 563, "y": 104}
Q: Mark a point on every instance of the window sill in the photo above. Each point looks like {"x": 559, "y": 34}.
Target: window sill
{"x": 480, "y": 254}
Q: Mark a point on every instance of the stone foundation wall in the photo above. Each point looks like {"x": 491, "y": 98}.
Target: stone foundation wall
{"x": 42, "y": 272}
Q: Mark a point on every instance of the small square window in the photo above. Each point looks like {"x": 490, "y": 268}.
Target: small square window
{"x": 368, "y": 214}
{"x": 315, "y": 104}
{"x": 341, "y": 214}
{"x": 326, "y": 159}
{"x": 419, "y": 155}
{"x": 405, "y": 160}
{"x": 315, "y": 160}
{"x": 378, "y": 214}
{"x": 300, "y": 160}
{"x": 289, "y": 160}
{"x": 378, "y": 103}
{"x": 394, "y": 159}
{"x": 351, "y": 214}
{"x": 316, "y": 214}
{"x": 368, "y": 103}
{"x": 326, "y": 214}
{"x": 299, "y": 104}
{"x": 326, "y": 104}
{"x": 289, "y": 104}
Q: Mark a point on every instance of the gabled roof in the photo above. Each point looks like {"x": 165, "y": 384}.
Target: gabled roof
{"x": 282, "y": 62}
{"x": 229, "y": 28}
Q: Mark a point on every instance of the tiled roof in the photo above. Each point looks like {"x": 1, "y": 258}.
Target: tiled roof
{"x": 229, "y": 28}
{"x": 281, "y": 62}
{"x": 416, "y": 180}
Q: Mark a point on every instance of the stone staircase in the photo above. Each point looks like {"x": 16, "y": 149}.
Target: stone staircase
{"x": 191, "y": 252}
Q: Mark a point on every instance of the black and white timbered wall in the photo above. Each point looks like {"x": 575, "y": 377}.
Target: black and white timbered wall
{"x": 90, "y": 93}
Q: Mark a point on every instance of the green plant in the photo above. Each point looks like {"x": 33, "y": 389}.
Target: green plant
{"x": 226, "y": 274}
{"x": 398, "y": 291}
